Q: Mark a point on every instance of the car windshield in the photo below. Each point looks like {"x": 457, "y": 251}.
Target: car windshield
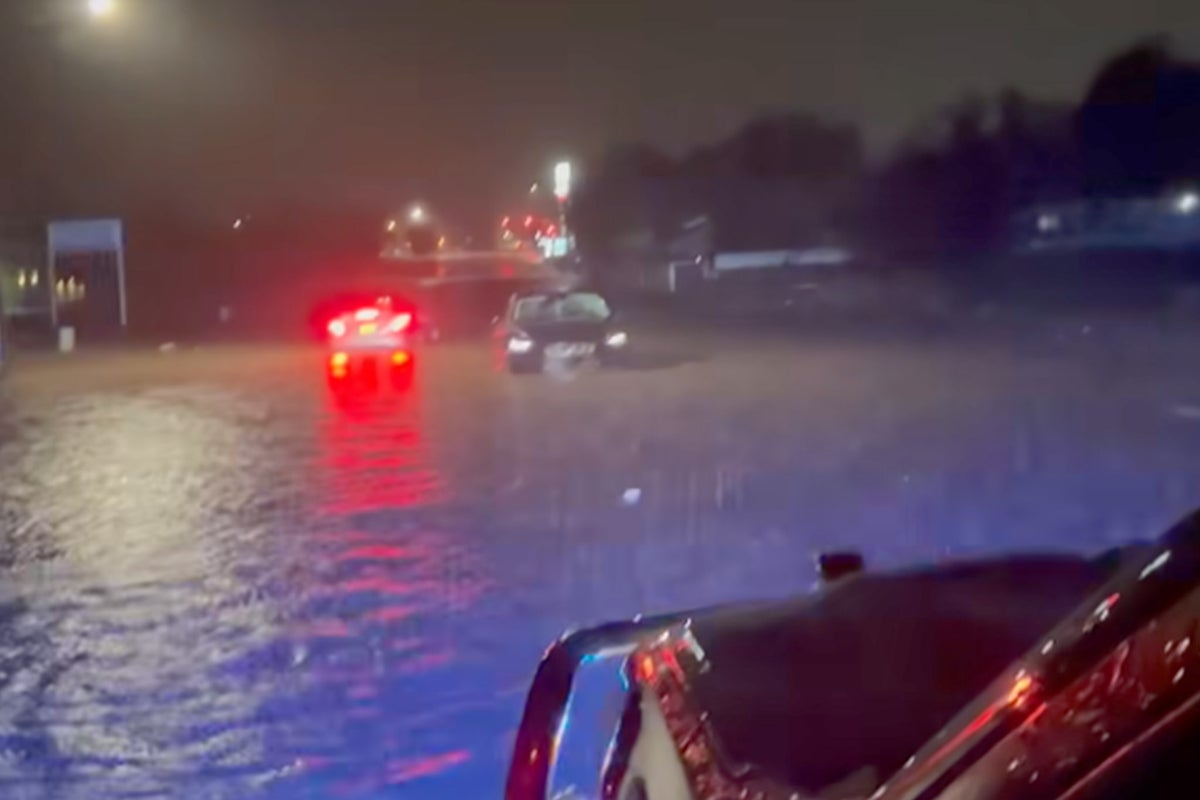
{"x": 573, "y": 307}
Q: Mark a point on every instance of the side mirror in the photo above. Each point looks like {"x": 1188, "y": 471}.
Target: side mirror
{"x": 834, "y": 566}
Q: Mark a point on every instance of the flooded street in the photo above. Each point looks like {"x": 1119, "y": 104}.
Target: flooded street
{"x": 222, "y": 578}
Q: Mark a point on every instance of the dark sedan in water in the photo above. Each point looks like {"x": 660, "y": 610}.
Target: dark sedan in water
{"x": 558, "y": 325}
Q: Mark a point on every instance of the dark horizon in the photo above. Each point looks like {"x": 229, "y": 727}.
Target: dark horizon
{"x": 219, "y": 108}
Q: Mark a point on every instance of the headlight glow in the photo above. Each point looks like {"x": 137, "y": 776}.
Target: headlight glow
{"x": 520, "y": 344}
{"x": 617, "y": 339}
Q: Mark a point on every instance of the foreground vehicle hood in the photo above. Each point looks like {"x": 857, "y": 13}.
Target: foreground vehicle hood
{"x": 813, "y": 692}
{"x": 858, "y": 625}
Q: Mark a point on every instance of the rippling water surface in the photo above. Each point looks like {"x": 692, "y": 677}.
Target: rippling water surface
{"x": 219, "y": 577}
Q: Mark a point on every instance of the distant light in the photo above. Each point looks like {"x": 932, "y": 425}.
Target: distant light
{"x": 562, "y": 180}
{"x": 21, "y": 279}
{"x": 441, "y": 241}
{"x": 391, "y": 225}
{"x": 520, "y": 344}
{"x": 1187, "y": 203}
{"x": 366, "y": 314}
{"x": 33, "y": 278}
{"x": 400, "y": 322}
{"x": 533, "y": 188}
{"x": 101, "y": 8}
{"x": 504, "y": 222}
{"x": 339, "y": 360}
{"x": 337, "y": 328}
{"x": 529, "y": 221}
{"x": 400, "y": 358}
{"x": 1048, "y": 222}
{"x": 617, "y": 339}
{"x": 417, "y": 214}
{"x": 237, "y": 224}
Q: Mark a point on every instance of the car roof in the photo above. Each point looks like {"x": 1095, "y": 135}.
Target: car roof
{"x": 557, "y": 291}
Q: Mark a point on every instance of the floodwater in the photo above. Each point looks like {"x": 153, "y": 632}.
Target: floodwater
{"x": 222, "y": 577}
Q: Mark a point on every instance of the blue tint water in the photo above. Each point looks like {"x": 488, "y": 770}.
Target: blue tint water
{"x": 221, "y": 578}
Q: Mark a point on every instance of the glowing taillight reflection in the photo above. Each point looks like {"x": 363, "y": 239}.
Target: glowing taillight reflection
{"x": 337, "y": 329}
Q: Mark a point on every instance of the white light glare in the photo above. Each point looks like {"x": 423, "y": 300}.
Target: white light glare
{"x": 417, "y": 214}
{"x": 101, "y": 8}
{"x": 1048, "y": 223}
{"x": 617, "y": 339}
{"x": 519, "y": 344}
{"x": 1187, "y": 202}
{"x": 562, "y": 180}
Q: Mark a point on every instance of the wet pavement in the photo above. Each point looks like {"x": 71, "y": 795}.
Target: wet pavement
{"x": 222, "y": 577}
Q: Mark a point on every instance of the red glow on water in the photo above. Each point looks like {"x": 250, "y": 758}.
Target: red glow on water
{"x": 405, "y": 770}
{"x": 328, "y": 629}
{"x": 392, "y": 614}
{"x": 376, "y": 552}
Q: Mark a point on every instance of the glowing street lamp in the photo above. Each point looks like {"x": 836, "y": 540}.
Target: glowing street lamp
{"x": 562, "y": 180}
{"x": 562, "y": 191}
{"x": 101, "y": 9}
{"x": 416, "y": 214}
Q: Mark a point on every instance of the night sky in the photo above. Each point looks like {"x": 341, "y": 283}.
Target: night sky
{"x": 211, "y": 106}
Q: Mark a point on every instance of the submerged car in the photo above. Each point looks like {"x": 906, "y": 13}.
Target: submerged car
{"x": 1029, "y": 676}
{"x": 377, "y": 333}
{"x": 558, "y": 325}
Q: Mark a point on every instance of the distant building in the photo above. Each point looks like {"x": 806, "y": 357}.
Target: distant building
{"x": 25, "y": 289}
{"x": 70, "y": 273}
{"x": 697, "y": 230}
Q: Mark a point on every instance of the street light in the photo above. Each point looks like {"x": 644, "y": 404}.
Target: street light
{"x": 417, "y": 214}
{"x": 562, "y": 191}
{"x": 562, "y": 180}
{"x": 100, "y": 9}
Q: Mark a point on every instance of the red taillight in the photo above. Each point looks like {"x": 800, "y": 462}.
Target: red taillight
{"x": 400, "y": 358}
{"x": 400, "y": 322}
{"x": 337, "y": 329}
{"x": 339, "y": 365}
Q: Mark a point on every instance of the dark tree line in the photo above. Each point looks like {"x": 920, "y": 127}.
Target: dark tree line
{"x": 951, "y": 189}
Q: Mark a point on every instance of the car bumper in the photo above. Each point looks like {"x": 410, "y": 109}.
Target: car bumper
{"x": 372, "y": 344}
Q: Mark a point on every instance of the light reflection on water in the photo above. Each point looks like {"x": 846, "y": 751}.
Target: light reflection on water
{"x": 201, "y": 598}
{"x": 253, "y": 583}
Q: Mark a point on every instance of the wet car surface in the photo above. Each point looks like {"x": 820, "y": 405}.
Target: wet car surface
{"x": 221, "y": 577}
